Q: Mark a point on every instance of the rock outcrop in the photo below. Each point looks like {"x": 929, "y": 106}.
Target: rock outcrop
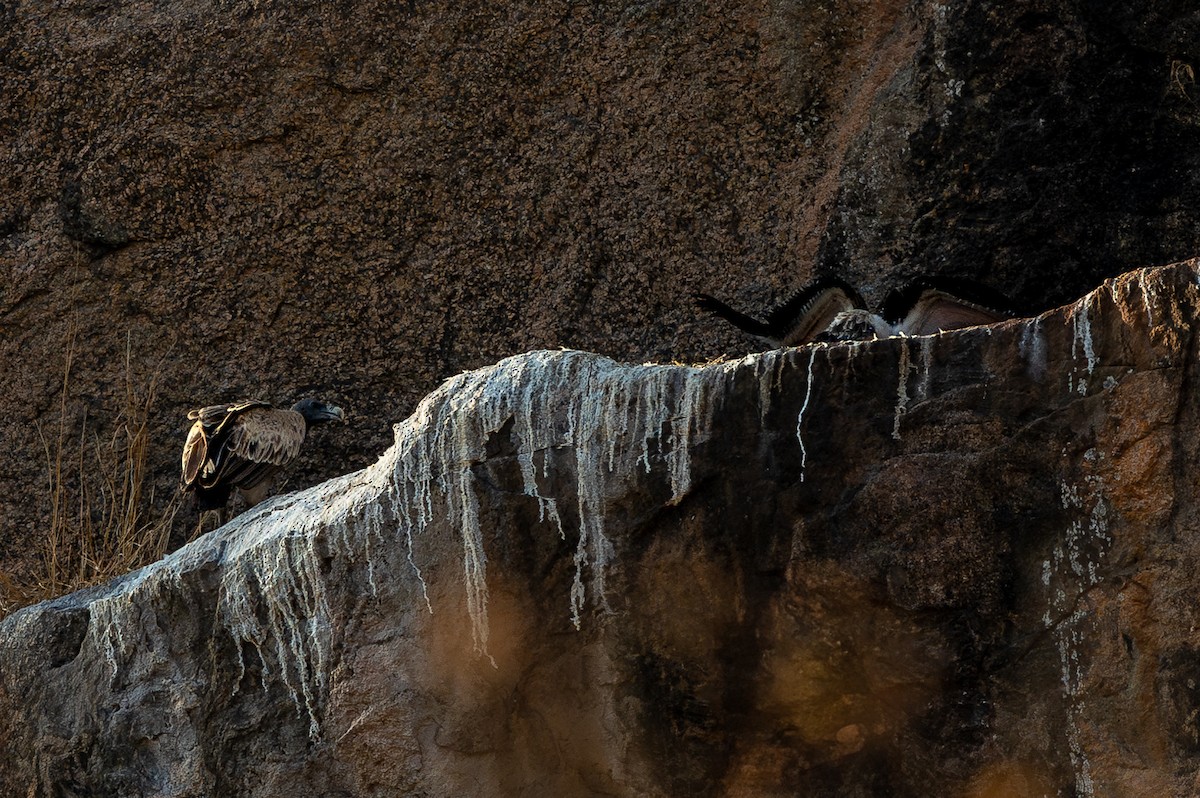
{"x": 280, "y": 199}
{"x": 962, "y": 564}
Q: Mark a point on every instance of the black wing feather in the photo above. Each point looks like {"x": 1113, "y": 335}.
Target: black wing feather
{"x": 797, "y": 321}
{"x": 811, "y": 295}
{"x": 734, "y": 317}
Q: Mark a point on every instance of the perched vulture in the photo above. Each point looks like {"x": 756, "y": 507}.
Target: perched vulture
{"x": 934, "y": 304}
{"x": 799, "y": 320}
{"x": 243, "y": 445}
{"x": 831, "y": 310}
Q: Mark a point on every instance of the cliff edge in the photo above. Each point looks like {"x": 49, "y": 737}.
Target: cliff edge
{"x": 959, "y": 564}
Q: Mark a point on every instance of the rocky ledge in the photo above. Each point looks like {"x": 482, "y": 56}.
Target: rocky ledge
{"x": 961, "y": 564}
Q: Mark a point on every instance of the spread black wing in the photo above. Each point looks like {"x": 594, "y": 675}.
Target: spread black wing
{"x": 797, "y": 321}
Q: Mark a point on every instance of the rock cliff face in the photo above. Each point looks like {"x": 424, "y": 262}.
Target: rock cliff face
{"x": 272, "y": 199}
{"x": 960, "y": 564}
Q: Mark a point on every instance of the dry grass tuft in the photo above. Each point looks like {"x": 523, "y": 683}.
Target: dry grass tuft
{"x": 101, "y": 520}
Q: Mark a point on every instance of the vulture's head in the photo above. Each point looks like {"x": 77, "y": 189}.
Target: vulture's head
{"x": 318, "y": 412}
{"x": 855, "y": 325}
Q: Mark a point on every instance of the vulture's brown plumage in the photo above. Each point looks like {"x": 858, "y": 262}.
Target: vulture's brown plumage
{"x": 831, "y": 310}
{"x": 797, "y": 321}
{"x": 934, "y": 304}
{"x": 242, "y": 445}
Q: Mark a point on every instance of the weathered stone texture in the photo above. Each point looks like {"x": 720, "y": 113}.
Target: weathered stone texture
{"x": 362, "y": 199}
{"x": 359, "y": 200}
{"x": 960, "y": 564}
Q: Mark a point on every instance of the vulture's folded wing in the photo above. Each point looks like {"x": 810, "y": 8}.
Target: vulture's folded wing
{"x": 936, "y": 311}
{"x": 798, "y": 320}
{"x": 267, "y": 436}
{"x": 195, "y": 453}
{"x": 808, "y": 314}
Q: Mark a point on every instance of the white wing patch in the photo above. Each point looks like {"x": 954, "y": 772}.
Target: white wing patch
{"x": 195, "y": 452}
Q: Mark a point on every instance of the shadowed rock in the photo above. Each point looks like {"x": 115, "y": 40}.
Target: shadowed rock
{"x": 958, "y": 564}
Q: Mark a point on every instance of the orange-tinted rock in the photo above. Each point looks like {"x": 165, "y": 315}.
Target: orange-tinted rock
{"x": 758, "y": 613}
{"x": 361, "y": 202}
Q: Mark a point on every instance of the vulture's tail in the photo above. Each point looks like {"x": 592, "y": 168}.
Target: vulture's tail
{"x": 734, "y": 317}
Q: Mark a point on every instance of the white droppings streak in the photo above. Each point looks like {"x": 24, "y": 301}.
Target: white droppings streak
{"x": 768, "y": 367}
{"x": 1033, "y": 348}
{"x": 612, "y": 418}
{"x": 926, "y": 364}
{"x": 1073, "y": 570}
{"x": 902, "y": 389}
{"x": 1148, "y": 293}
{"x": 602, "y": 420}
{"x": 688, "y": 414}
{"x": 812, "y": 354}
{"x": 373, "y": 523}
{"x": 1082, "y": 341}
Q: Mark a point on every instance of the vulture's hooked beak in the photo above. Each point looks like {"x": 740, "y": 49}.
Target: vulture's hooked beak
{"x": 333, "y": 413}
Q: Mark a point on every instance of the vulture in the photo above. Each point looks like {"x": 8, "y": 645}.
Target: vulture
{"x": 933, "y": 304}
{"x": 831, "y": 310}
{"x": 799, "y": 320}
{"x": 242, "y": 445}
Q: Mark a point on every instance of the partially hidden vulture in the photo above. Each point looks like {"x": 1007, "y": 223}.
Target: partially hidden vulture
{"x": 831, "y": 310}
{"x": 797, "y": 321}
{"x": 242, "y": 445}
